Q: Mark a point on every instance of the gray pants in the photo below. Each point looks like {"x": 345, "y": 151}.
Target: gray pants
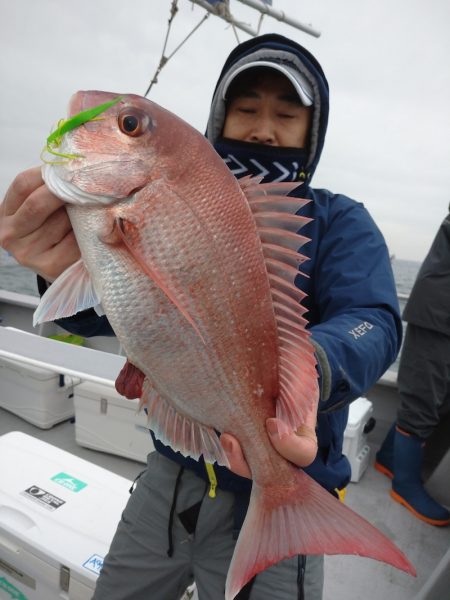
{"x": 423, "y": 380}
{"x": 138, "y": 567}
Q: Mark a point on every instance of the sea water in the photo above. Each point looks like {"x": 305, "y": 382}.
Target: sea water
{"x": 15, "y": 278}
{"x": 405, "y": 273}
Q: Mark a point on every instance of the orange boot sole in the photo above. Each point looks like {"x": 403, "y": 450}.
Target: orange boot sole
{"x": 400, "y": 500}
{"x": 382, "y": 469}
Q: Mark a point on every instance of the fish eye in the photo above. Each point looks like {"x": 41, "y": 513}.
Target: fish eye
{"x": 133, "y": 122}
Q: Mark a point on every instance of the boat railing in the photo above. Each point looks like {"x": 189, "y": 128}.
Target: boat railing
{"x": 28, "y": 304}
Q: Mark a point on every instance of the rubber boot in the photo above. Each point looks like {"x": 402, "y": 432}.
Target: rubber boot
{"x": 384, "y": 458}
{"x": 407, "y": 486}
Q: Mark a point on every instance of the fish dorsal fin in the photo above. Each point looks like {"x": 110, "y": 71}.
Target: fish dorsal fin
{"x": 72, "y": 292}
{"x": 278, "y": 225}
{"x": 180, "y": 432}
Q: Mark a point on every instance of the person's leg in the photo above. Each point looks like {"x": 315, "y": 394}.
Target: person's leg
{"x": 213, "y": 545}
{"x": 137, "y": 566}
{"x": 296, "y": 578}
{"x": 384, "y": 458}
{"x": 423, "y": 382}
{"x": 314, "y": 577}
{"x": 407, "y": 485}
{"x": 213, "y": 550}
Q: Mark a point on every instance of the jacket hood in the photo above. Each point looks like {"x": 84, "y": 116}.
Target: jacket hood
{"x": 280, "y": 50}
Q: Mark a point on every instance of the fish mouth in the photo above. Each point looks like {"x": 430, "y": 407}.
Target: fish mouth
{"x": 69, "y": 192}
{"x": 69, "y": 179}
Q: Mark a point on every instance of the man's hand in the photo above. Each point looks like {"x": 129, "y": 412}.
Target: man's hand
{"x": 299, "y": 447}
{"x": 35, "y": 228}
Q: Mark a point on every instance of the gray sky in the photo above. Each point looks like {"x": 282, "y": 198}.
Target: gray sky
{"x": 388, "y": 142}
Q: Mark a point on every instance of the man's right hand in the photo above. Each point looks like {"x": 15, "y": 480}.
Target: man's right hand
{"x": 35, "y": 227}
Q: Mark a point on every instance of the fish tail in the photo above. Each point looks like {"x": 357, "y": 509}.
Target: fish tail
{"x": 305, "y": 520}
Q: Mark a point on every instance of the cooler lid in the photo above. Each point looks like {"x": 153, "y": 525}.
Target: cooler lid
{"x": 61, "y": 505}
{"x": 27, "y": 370}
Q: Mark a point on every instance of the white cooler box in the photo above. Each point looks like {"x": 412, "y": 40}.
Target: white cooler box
{"x": 355, "y": 447}
{"x": 58, "y": 514}
{"x": 35, "y": 394}
{"x": 105, "y": 420}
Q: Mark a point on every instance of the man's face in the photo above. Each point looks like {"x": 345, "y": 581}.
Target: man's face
{"x": 268, "y": 112}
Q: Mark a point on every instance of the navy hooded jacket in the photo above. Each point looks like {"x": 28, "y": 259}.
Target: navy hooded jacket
{"x": 351, "y": 299}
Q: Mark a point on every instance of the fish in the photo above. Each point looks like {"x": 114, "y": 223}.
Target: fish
{"x": 196, "y": 273}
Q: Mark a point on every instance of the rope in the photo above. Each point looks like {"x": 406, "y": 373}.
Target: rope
{"x": 222, "y": 10}
{"x": 235, "y": 32}
{"x": 164, "y": 59}
{"x": 261, "y": 17}
{"x": 188, "y": 36}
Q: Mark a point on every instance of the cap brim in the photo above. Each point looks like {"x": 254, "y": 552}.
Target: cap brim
{"x": 299, "y": 82}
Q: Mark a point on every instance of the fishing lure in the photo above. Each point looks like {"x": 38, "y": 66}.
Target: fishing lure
{"x": 65, "y": 125}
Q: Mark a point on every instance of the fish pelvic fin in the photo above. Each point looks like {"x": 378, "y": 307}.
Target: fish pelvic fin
{"x": 278, "y": 226}
{"x": 130, "y": 381}
{"x": 304, "y": 519}
{"x": 180, "y": 432}
{"x": 72, "y": 292}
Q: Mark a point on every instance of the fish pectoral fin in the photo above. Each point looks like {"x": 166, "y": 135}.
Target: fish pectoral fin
{"x": 72, "y": 292}
{"x": 180, "y": 432}
{"x": 127, "y": 232}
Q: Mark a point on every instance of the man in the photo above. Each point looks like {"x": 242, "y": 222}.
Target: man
{"x": 268, "y": 117}
{"x": 423, "y": 383}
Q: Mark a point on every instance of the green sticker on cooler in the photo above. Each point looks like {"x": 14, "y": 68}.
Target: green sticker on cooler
{"x": 69, "y": 482}
{"x": 11, "y": 589}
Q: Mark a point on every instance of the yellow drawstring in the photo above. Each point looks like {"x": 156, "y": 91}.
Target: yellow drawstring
{"x": 212, "y": 480}
{"x": 341, "y": 493}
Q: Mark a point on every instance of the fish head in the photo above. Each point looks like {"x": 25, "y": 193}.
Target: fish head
{"x": 116, "y": 153}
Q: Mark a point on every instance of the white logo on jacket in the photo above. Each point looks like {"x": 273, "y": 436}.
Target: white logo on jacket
{"x": 360, "y": 330}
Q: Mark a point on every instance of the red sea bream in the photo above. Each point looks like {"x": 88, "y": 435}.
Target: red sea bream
{"x": 195, "y": 272}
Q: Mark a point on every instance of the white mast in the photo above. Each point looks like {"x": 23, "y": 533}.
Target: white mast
{"x": 222, "y": 9}
{"x": 280, "y": 15}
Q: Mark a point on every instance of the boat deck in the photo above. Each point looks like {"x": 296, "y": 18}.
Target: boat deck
{"x": 347, "y": 577}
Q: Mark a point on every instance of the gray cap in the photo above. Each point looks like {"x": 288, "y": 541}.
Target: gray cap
{"x": 300, "y": 83}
